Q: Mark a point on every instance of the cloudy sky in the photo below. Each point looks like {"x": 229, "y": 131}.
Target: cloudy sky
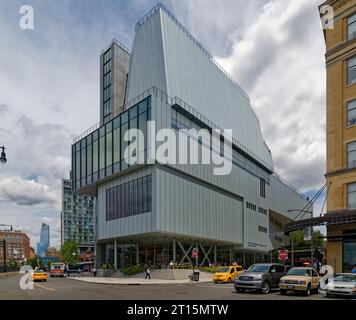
{"x": 49, "y": 86}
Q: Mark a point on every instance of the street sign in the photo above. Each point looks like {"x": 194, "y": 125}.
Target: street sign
{"x": 195, "y": 253}
{"x": 283, "y": 254}
{"x": 308, "y": 233}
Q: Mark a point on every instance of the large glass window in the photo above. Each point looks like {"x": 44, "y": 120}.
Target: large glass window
{"x": 95, "y": 156}
{"x": 129, "y": 199}
{"x": 351, "y": 155}
{"x": 103, "y": 150}
{"x": 351, "y": 113}
{"x": 351, "y": 70}
{"x": 109, "y": 149}
{"x": 351, "y": 195}
{"x": 351, "y": 27}
{"x": 349, "y": 256}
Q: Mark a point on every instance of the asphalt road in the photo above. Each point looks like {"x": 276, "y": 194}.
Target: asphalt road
{"x": 66, "y": 289}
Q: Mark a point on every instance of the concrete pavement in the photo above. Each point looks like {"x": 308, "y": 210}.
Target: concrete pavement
{"x": 65, "y": 289}
{"x": 134, "y": 281}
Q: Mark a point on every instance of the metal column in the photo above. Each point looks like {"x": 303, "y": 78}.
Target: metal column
{"x": 115, "y": 254}
{"x": 215, "y": 256}
{"x": 174, "y": 251}
{"x": 137, "y": 253}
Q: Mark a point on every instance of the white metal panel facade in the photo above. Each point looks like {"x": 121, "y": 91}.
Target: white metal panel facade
{"x": 165, "y": 56}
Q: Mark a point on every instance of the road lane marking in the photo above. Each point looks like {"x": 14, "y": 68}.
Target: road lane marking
{"x": 44, "y": 287}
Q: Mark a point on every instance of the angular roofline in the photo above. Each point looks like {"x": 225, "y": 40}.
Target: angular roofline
{"x": 160, "y": 6}
{"x": 119, "y": 44}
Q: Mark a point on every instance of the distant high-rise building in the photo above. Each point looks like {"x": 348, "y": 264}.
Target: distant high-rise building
{"x": 43, "y": 245}
{"x": 77, "y": 216}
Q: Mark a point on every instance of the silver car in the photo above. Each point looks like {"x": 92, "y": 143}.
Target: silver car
{"x": 260, "y": 277}
{"x": 343, "y": 284}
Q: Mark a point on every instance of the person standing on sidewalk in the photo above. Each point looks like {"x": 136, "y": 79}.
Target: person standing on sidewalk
{"x": 148, "y": 273}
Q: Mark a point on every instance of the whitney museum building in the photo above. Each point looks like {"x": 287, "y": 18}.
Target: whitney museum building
{"x": 157, "y": 210}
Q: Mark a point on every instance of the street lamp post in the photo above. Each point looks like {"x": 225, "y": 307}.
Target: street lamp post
{"x": 3, "y": 159}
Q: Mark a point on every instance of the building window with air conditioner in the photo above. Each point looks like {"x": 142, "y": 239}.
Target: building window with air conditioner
{"x": 351, "y": 27}
{"x": 351, "y": 154}
{"x": 351, "y": 113}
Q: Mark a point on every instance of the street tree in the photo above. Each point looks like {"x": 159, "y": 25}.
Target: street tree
{"x": 69, "y": 252}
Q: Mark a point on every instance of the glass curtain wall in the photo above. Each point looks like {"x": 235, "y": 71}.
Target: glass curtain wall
{"x": 101, "y": 153}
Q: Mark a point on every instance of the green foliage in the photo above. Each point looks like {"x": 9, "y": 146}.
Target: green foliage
{"x": 209, "y": 269}
{"x": 132, "y": 270}
{"x": 107, "y": 266}
{"x": 69, "y": 252}
{"x": 32, "y": 262}
{"x": 299, "y": 242}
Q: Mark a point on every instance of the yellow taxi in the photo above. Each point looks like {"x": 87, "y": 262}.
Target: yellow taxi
{"x": 39, "y": 275}
{"x": 227, "y": 274}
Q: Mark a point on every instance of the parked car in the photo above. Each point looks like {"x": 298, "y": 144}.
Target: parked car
{"x": 227, "y": 274}
{"x": 39, "y": 275}
{"x": 343, "y": 284}
{"x": 261, "y": 277}
{"x": 300, "y": 279}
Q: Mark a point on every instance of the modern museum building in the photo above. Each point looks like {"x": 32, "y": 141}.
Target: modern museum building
{"x": 153, "y": 211}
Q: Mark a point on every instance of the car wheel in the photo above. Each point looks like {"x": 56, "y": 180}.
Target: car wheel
{"x": 240, "y": 290}
{"x": 328, "y": 295}
{"x": 283, "y": 292}
{"x": 265, "y": 287}
{"x": 308, "y": 291}
{"x": 229, "y": 280}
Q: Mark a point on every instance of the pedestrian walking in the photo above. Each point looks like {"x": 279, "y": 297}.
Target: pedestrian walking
{"x": 148, "y": 273}
{"x": 354, "y": 269}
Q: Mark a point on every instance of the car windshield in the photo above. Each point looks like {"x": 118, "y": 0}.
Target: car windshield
{"x": 258, "y": 268}
{"x": 345, "y": 278}
{"x": 39, "y": 271}
{"x": 224, "y": 270}
{"x": 298, "y": 272}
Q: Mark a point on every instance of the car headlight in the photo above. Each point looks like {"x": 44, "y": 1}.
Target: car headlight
{"x": 281, "y": 281}
{"x": 302, "y": 282}
{"x": 258, "y": 278}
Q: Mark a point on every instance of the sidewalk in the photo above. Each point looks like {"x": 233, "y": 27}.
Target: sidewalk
{"x": 133, "y": 281}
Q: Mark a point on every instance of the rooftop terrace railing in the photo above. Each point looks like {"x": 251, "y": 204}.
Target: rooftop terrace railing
{"x": 118, "y": 43}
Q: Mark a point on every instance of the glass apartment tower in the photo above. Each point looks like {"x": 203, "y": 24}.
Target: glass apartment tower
{"x": 77, "y": 216}
{"x": 44, "y": 243}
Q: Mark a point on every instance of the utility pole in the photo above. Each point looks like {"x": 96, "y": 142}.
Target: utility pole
{"x": 292, "y": 247}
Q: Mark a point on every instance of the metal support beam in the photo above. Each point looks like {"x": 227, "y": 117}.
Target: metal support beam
{"x": 137, "y": 253}
{"x": 215, "y": 255}
{"x": 174, "y": 250}
{"x": 206, "y": 254}
{"x": 186, "y": 253}
{"x": 115, "y": 254}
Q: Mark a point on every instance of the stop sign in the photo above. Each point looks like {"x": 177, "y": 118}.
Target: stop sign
{"x": 195, "y": 253}
{"x": 283, "y": 254}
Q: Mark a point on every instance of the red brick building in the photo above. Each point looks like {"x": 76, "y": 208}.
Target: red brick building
{"x": 17, "y": 245}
